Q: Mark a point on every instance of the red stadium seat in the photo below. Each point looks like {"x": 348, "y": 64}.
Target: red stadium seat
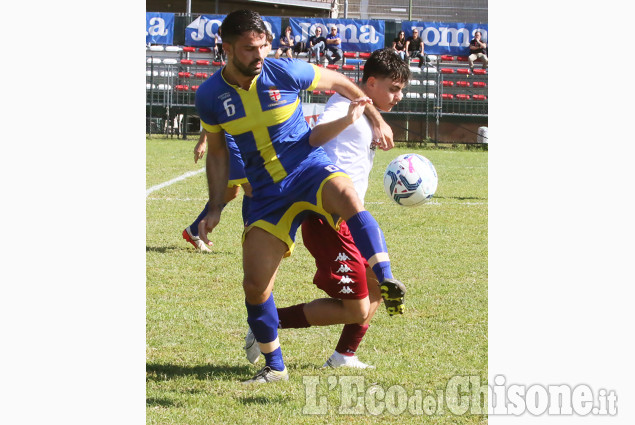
{"x": 447, "y": 96}
{"x": 364, "y": 55}
{"x": 448, "y": 83}
{"x": 185, "y": 74}
{"x": 205, "y": 50}
{"x": 187, "y": 62}
{"x": 333, "y": 66}
{"x": 202, "y": 62}
{"x": 463, "y": 96}
{"x": 329, "y": 92}
{"x": 194, "y": 88}
{"x": 479, "y": 97}
{"x": 479, "y": 84}
{"x": 361, "y": 67}
{"x": 348, "y": 67}
{"x": 189, "y": 49}
{"x": 216, "y": 63}
{"x": 447, "y": 71}
{"x": 181, "y": 87}
{"x": 464, "y": 71}
{"x": 316, "y": 92}
{"x": 463, "y": 83}
{"x": 447, "y": 57}
{"x": 461, "y": 58}
{"x": 480, "y": 71}
{"x": 350, "y": 54}
{"x": 200, "y": 75}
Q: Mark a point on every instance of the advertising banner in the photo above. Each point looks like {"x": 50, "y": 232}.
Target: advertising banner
{"x": 159, "y": 28}
{"x": 441, "y": 38}
{"x": 358, "y": 35}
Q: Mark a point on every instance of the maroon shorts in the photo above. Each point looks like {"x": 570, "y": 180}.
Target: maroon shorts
{"x": 341, "y": 269}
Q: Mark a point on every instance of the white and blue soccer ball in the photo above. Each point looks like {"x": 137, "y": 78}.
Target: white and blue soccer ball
{"x": 410, "y": 180}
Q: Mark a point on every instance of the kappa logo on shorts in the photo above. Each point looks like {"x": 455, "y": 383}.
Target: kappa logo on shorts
{"x": 346, "y": 280}
{"x": 342, "y": 257}
{"x": 344, "y": 269}
{"x": 346, "y": 290}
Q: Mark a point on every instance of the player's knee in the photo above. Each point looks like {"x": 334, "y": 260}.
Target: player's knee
{"x": 254, "y": 291}
{"x": 342, "y": 198}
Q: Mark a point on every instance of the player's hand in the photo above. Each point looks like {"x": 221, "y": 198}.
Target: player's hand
{"x": 199, "y": 150}
{"x": 208, "y": 224}
{"x": 393, "y": 291}
{"x": 357, "y": 106}
{"x": 383, "y": 137}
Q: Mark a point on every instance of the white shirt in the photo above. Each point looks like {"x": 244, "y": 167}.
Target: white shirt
{"x": 350, "y": 150}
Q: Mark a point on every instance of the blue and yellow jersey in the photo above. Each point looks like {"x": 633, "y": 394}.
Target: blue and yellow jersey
{"x": 266, "y": 121}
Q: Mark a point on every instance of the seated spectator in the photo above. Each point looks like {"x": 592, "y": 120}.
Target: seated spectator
{"x": 286, "y": 44}
{"x": 399, "y": 45}
{"x": 333, "y": 51}
{"x": 219, "y": 54}
{"x": 414, "y": 48}
{"x": 478, "y": 50}
{"x": 317, "y": 44}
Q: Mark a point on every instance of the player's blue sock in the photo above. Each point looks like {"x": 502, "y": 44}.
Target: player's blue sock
{"x": 263, "y": 321}
{"x": 369, "y": 239}
{"x": 201, "y": 216}
{"x": 274, "y": 359}
{"x": 246, "y": 204}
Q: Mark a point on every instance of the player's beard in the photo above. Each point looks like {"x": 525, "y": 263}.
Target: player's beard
{"x": 247, "y": 70}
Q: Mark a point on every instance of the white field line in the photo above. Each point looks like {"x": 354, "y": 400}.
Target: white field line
{"x": 174, "y": 180}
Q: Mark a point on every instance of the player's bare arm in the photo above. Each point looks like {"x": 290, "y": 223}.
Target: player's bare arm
{"x": 324, "y": 132}
{"x": 217, "y": 170}
{"x": 332, "y": 80}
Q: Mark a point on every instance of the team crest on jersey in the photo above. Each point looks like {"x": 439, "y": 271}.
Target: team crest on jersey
{"x": 274, "y": 93}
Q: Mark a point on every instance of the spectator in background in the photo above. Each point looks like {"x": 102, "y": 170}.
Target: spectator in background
{"x": 399, "y": 45}
{"x": 414, "y": 48}
{"x": 333, "y": 51}
{"x": 218, "y": 47}
{"x": 317, "y": 44}
{"x": 478, "y": 50}
{"x": 286, "y": 44}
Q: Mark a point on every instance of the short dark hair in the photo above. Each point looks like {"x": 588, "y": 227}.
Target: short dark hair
{"x": 239, "y": 22}
{"x": 385, "y": 63}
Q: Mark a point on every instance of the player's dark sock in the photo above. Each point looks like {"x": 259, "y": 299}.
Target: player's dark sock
{"x": 350, "y": 339}
{"x": 292, "y": 317}
{"x": 246, "y": 204}
{"x": 263, "y": 321}
{"x": 201, "y": 216}
{"x": 369, "y": 239}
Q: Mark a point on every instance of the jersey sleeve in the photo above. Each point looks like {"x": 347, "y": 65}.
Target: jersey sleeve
{"x": 336, "y": 108}
{"x": 205, "y": 109}
{"x": 305, "y": 75}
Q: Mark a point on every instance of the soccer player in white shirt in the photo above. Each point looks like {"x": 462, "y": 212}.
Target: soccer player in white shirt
{"x": 342, "y": 272}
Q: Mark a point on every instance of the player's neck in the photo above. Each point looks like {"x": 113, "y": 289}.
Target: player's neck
{"x": 235, "y": 77}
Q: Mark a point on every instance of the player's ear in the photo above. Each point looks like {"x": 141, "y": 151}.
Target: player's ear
{"x": 228, "y": 48}
{"x": 371, "y": 81}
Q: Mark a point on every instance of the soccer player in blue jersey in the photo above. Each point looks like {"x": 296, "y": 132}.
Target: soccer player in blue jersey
{"x": 256, "y": 100}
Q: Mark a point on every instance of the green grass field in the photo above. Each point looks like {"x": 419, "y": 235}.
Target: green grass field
{"x": 196, "y": 318}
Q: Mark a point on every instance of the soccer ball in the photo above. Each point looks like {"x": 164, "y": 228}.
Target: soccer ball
{"x": 410, "y": 180}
